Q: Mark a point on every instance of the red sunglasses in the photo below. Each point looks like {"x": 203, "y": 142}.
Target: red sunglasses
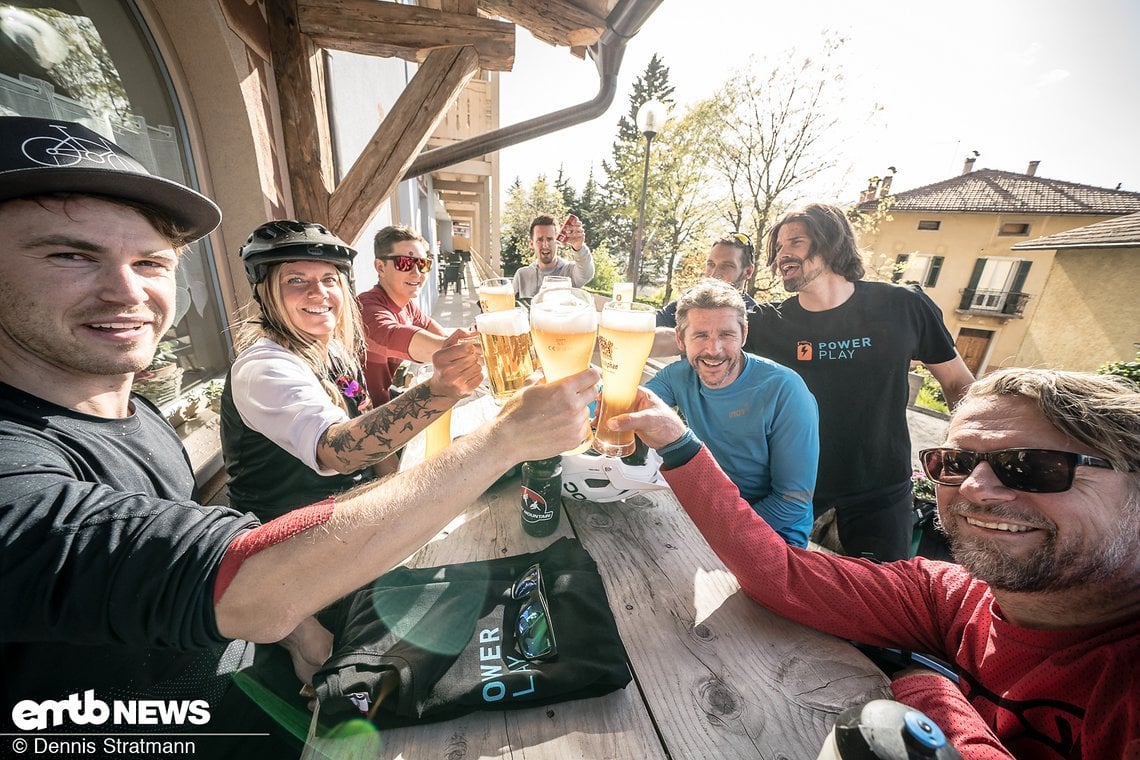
{"x": 405, "y": 263}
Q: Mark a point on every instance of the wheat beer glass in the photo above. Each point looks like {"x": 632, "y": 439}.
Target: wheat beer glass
{"x": 554, "y": 282}
{"x": 563, "y": 324}
{"x": 625, "y": 339}
{"x": 437, "y": 435}
{"x": 496, "y": 294}
{"x": 505, "y": 336}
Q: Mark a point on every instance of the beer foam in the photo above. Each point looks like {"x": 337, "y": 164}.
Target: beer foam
{"x": 505, "y": 290}
{"x": 628, "y": 320}
{"x": 508, "y": 322}
{"x": 565, "y": 314}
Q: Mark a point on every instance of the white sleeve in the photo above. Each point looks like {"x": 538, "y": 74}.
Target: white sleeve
{"x": 277, "y": 395}
{"x": 583, "y": 270}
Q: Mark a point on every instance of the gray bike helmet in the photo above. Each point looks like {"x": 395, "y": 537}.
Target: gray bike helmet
{"x": 288, "y": 240}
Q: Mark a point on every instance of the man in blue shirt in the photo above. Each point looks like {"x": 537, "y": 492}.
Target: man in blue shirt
{"x": 757, "y": 417}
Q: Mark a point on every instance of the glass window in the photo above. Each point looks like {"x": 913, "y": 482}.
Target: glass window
{"x": 93, "y": 62}
{"x": 929, "y": 224}
{"x": 1020, "y": 229}
{"x": 921, "y": 268}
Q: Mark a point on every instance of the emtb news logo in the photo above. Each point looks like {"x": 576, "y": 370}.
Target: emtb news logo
{"x": 87, "y": 710}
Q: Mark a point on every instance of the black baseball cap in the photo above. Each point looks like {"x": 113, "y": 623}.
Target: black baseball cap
{"x": 39, "y": 156}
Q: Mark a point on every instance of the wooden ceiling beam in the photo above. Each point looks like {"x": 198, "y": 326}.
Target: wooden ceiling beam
{"x": 447, "y": 185}
{"x": 368, "y": 27}
{"x": 398, "y": 140}
{"x": 300, "y": 74}
{"x": 557, "y": 22}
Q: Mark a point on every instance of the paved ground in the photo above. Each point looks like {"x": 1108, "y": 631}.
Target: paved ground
{"x": 459, "y": 310}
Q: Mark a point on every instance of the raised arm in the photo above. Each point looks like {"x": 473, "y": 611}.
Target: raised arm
{"x": 281, "y": 572}
{"x": 365, "y": 440}
{"x": 954, "y": 377}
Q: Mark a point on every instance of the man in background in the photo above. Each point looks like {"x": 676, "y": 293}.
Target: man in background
{"x": 547, "y": 262}
{"x": 852, "y": 342}
{"x": 730, "y": 260}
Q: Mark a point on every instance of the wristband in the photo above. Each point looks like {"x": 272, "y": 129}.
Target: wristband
{"x": 680, "y": 451}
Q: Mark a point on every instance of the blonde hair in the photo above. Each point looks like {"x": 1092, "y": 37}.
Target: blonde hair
{"x": 1100, "y": 411}
{"x": 269, "y": 320}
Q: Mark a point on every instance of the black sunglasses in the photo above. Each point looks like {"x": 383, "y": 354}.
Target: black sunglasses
{"x": 1030, "y": 470}
{"x": 534, "y": 629}
{"x": 405, "y": 263}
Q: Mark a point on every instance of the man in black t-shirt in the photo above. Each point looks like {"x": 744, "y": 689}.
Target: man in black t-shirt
{"x": 124, "y": 604}
{"x": 853, "y": 342}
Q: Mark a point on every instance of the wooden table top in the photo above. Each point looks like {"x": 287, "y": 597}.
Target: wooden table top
{"x": 715, "y": 674}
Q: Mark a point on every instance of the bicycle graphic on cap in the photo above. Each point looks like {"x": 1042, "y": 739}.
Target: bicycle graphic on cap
{"x": 69, "y": 150}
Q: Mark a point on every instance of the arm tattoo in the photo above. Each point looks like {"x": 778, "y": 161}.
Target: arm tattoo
{"x": 383, "y": 430}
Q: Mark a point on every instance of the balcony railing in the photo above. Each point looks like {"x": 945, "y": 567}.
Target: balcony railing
{"x": 993, "y": 302}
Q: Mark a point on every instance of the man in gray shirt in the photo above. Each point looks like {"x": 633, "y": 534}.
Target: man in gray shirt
{"x": 544, "y": 243}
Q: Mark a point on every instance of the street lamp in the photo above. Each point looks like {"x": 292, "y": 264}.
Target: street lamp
{"x": 650, "y": 119}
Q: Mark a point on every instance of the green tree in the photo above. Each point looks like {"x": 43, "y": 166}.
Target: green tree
{"x": 780, "y": 128}
{"x": 621, "y": 190}
{"x": 591, "y": 211}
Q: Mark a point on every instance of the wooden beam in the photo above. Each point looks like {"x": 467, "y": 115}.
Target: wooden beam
{"x": 398, "y": 140}
{"x": 386, "y": 29}
{"x": 558, "y": 22}
{"x": 298, "y": 67}
{"x": 447, "y": 185}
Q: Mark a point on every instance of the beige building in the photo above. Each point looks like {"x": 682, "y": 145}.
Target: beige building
{"x": 960, "y": 239}
{"x": 353, "y": 113}
{"x": 1089, "y": 310}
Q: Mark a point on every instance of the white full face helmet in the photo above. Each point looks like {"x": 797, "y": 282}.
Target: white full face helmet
{"x": 593, "y": 477}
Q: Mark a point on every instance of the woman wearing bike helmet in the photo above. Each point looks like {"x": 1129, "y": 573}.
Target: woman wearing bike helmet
{"x": 297, "y": 425}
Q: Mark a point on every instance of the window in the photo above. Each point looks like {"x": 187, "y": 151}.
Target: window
{"x": 995, "y": 285}
{"x": 56, "y": 62}
{"x": 920, "y": 268}
{"x": 1014, "y": 228}
{"x": 929, "y": 224}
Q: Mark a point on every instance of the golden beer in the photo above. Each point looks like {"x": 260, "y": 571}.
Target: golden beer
{"x": 506, "y": 350}
{"x": 496, "y": 294}
{"x": 437, "y": 435}
{"x": 563, "y": 325}
{"x": 625, "y": 339}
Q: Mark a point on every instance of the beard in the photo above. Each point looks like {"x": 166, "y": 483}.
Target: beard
{"x": 1057, "y": 565}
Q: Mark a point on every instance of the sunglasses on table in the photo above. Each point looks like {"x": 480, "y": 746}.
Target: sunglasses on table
{"x": 405, "y": 263}
{"x": 1029, "y": 470}
{"x": 534, "y": 628}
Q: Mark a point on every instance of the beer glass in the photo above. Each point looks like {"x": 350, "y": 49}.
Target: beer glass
{"x": 496, "y": 294}
{"x": 505, "y": 336}
{"x": 437, "y": 435}
{"x": 553, "y": 282}
{"x": 564, "y": 323}
{"x": 625, "y": 339}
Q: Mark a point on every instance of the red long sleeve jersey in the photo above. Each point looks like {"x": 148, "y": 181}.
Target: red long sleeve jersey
{"x": 1070, "y": 693}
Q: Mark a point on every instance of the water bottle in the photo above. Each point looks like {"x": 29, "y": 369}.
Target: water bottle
{"x": 886, "y": 730}
{"x": 542, "y": 496}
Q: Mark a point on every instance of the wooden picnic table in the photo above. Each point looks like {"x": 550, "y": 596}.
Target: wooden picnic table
{"x": 715, "y": 674}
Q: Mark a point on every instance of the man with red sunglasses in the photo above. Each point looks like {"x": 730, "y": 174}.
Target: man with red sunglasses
{"x": 395, "y": 326}
{"x": 1039, "y": 496}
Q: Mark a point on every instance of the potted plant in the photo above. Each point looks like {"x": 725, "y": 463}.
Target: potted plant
{"x": 213, "y": 394}
{"x": 161, "y": 381}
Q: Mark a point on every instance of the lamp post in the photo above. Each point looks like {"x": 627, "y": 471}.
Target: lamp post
{"x": 650, "y": 118}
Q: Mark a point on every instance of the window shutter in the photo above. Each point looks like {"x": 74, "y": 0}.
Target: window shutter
{"x": 935, "y": 270}
{"x": 975, "y": 278}
{"x": 1014, "y": 301}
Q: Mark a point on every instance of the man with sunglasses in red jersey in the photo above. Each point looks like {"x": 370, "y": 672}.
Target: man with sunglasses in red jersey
{"x": 125, "y": 604}
{"x": 395, "y": 326}
{"x": 1039, "y": 495}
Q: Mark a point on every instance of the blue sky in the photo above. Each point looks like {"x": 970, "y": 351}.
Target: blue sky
{"x": 1015, "y": 80}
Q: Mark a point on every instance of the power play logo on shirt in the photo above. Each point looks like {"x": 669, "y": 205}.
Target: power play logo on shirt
{"x": 825, "y": 350}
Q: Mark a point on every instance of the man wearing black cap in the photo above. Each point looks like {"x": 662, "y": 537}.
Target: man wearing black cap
{"x": 123, "y": 603}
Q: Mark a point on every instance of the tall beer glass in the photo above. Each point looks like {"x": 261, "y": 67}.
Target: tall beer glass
{"x": 553, "y": 282}
{"x": 496, "y": 294}
{"x": 506, "y": 350}
{"x": 625, "y": 339}
{"x": 564, "y": 324}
